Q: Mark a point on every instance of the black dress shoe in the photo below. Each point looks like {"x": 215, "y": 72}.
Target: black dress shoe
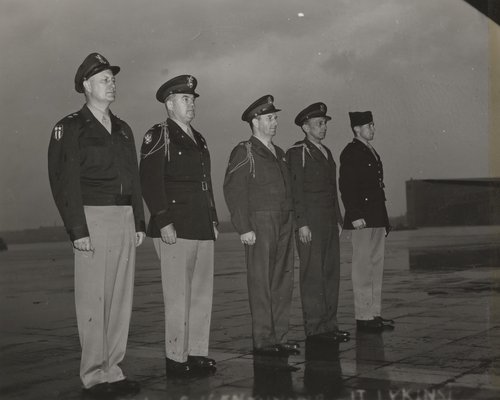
{"x": 201, "y": 362}
{"x": 370, "y": 325}
{"x": 384, "y": 321}
{"x": 334, "y": 336}
{"x": 125, "y": 386}
{"x": 99, "y": 391}
{"x": 273, "y": 351}
{"x": 338, "y": 332}
{"x": 178, "y": 368}
{"x": 291, "y": 348}
{"x": 373, "y": 325}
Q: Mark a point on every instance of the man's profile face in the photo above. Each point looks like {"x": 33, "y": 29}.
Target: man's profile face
{"x": 182, "y": 106}
{"x": 366, "y": 132}
{"x": 101, "y": 87}
{"x": 266, "y": 124}
{"x": 316, "y": 129}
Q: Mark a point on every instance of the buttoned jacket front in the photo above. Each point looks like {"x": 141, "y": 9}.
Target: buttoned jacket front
{"x": 176, "y": 182}
{"x": 256, "y": 180}
{"x": 314, "y": 181}
{"x": 90, "y": 166}
{"x": 361, "y": 183}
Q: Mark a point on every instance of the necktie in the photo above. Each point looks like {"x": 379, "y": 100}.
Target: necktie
{"x": 107, "y": 123}
{"x": 270, "y": 146}
{"x": 323, "y": 150}
{"x": 373, "y": 151}
{"x": 190, "y": 133}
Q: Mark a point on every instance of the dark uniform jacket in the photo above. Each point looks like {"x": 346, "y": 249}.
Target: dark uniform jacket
{"x": 256, "y": 180}
{"x": 361, "y": 183}
{"x": 314, "y": 181}
{"x": 89, "y": 166}
{"x": 176, "y": 182}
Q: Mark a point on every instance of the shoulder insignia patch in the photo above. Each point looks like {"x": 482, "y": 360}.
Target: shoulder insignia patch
{"x": 58, "y": 132}
{"x": 148, "y": 137}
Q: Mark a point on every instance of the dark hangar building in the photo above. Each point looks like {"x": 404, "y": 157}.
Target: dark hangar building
{"x": 453, "y": 202}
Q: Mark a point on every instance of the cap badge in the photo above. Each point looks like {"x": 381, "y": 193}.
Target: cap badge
{"x": 58, "y": 132}
{"x": 189, "y": 82}
{"x": 100, "y": 59}
{"x": 322, "y": 108}
{"x": 270, "y": 100}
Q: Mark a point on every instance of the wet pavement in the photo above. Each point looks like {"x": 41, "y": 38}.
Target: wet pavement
{"x": 441, "y": 286}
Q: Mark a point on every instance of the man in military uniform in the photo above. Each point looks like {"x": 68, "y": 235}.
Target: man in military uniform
{"x": 317, "y": 216}
{"x": 361, "y": 184}
{"x": 258, "y": 194}
{"x": 177, "y": 188}
{"x": 95, "y": 183}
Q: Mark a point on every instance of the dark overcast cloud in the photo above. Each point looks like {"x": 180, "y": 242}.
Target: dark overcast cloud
{"x": 421, "y": 66}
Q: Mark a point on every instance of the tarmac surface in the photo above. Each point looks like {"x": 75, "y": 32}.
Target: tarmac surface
{"x": 441, "y": 286}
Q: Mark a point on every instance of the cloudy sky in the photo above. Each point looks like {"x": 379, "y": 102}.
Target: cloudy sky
{"x": 420, "y": 66}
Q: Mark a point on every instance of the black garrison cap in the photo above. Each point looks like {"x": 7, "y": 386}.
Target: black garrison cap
{"x": 360, "y": 118}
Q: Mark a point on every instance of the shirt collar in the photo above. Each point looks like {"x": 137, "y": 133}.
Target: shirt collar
{"x": 183, "y": 126}
{"x": 97, "y": 113}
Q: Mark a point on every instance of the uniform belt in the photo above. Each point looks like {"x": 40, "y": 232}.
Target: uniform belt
{"x": 186, "y": 186}
{"x": 108, "y": 200}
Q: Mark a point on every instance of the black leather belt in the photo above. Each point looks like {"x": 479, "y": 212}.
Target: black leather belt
{"x": 187, "y": 186}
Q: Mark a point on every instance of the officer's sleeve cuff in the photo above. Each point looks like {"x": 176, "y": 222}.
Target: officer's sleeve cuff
{"x": 162, "y": 219}
{"x": 140, "y": 226}
{"x": 78, "y": 232}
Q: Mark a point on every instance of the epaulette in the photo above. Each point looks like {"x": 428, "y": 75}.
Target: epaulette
{"x": 249, "y": 159}
{"x": 163, "y": 141}
{"x": 305, "y": 149}
{"x": 69, "y": 117}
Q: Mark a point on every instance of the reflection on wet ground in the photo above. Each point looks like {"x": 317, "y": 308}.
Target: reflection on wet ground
{"x": 440, "y": 287}
{"x": 323, "y": 371}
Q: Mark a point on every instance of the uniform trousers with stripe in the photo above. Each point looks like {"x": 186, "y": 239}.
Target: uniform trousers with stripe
{"x": 104, "y": 283}
{"x": 367, "y": 271}
{"x": 270, "y": 276}
{"x": 187, "y": 275}
{"x": 320, "y": 272}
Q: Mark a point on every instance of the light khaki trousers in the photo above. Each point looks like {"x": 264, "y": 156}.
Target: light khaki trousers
{"x": 187, "y": 275}
{"x": 104, "y": 283}
{"x": 367, "y": 271}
